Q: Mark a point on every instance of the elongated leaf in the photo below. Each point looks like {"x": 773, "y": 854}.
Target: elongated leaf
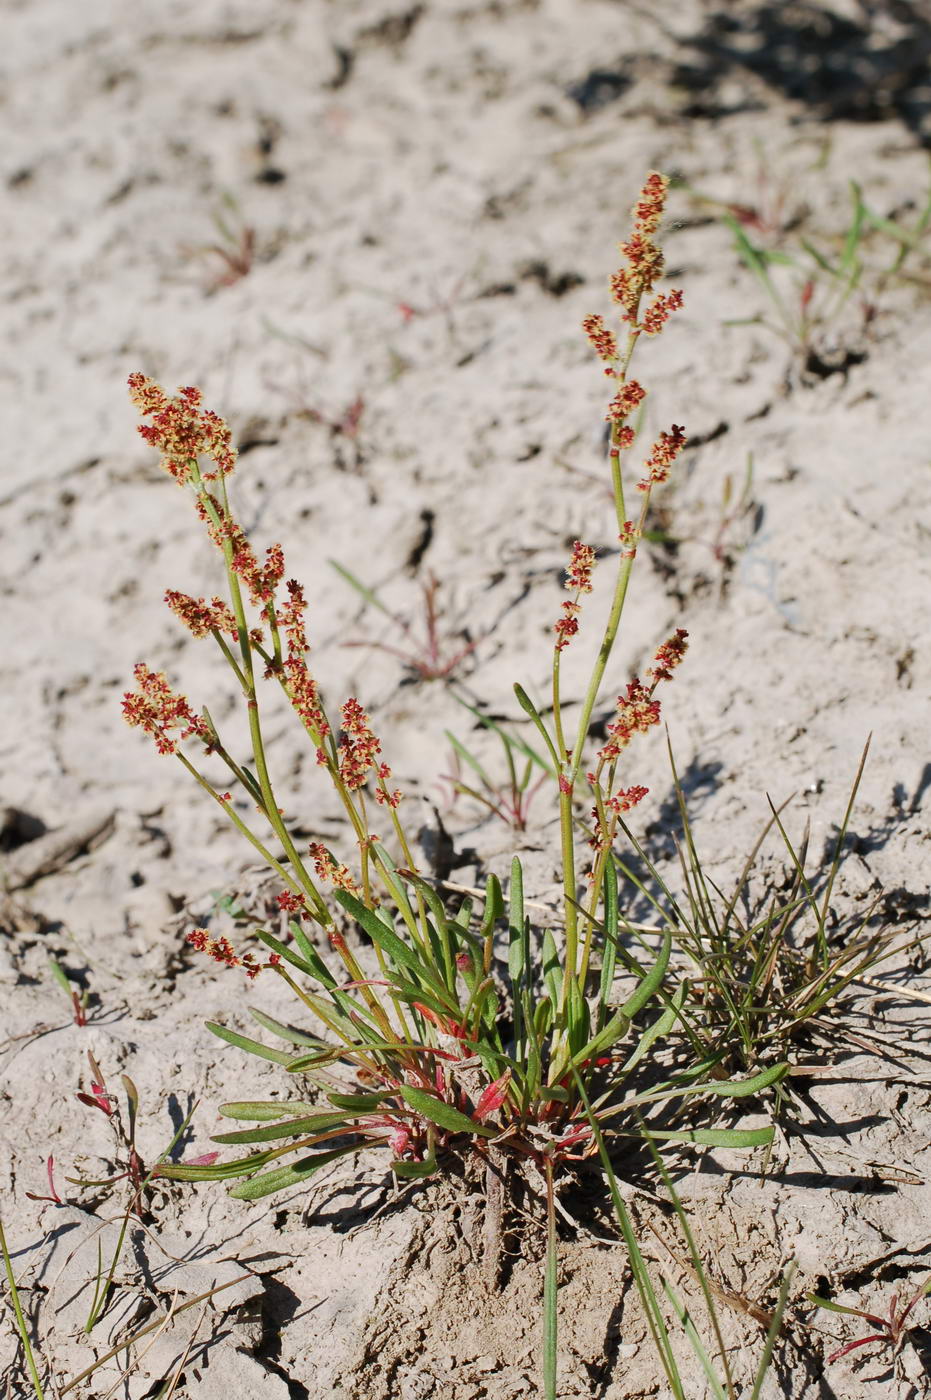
{"x": 219, "y": 1171}
{"x": 251, "y": 1047}
{"x": 552, "y": 972}
{"x": 443, "y": 1114}
{"x": 717, "y": 1137}
{"x": 529, "y": 708}
{"x": 578, "y": 1021}
{"x": 295, "y": 1127}
{"x": 743, "y": 1088}
{"x": 262, "y": 1110}
{"x": 609, "y": 953}
{"x": 494, "y": 906}
{"x": 659, "y": 1028}
{"x": 316, "y": 969}
{"x": 361, "y": 1102}
{"x": 289, "y": 1034}
{"x": 400, "y": 953}
{"x": 651, "y": 983}
{"x": 269, "y": 1182}
{"x": 413, "y": 1171}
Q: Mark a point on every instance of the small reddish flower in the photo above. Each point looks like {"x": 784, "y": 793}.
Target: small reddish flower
{"x": 603, "y": 340}
{"x": 648, "y": 211}
{"x": 637, "y": 712}
{"x": 329, "y": 870}
{"x": 199, "y": 616}
{"x": 181, "y": 430}
{"x": 665, "y": 451}
{"x": 659, "y": 311}
{"x": 358, "y": 746}
{"x": 291, "y": 903}
{"x": 579, "y": 572}
{"x": 158, "y": 710}
{"x": 668, "y": 656}
{"x": 627, "y": 398}
{"x": 626, "y": 799}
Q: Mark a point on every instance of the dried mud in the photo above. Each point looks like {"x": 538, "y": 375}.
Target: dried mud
{"x": 435, "y": 191}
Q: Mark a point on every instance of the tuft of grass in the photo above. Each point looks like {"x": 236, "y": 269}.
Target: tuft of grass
{"x": 766, "y": 976}
{"x": 808, "y": 284}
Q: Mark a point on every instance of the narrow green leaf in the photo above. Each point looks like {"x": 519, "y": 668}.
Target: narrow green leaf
{"x": 315, "y": 969}
{"x": 494, "y": 906}
{"x": 443, "y": 1114}
{"x": 295, "y": 1127}
{"x": 528, "y": 707}
{"x": 269, "y": 1182}
{"x": 361, "y": 1102}
{"x": 262, "y": 1110}
{"x": 552, "y": 972}
{"x": 251, "y": 1047}
{"x": 651, "y": 983}
{"x": 289, "y": 1034}
{"x": 718, "y": 1137}
{"x": 413, "y": 1171}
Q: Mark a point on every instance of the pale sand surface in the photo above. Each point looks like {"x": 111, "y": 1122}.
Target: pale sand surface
{"x": 436, "y": 193}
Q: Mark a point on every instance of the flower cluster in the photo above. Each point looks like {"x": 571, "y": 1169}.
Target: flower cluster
{"x": 303, "y": 691}
{"x": 358, "y": 748}
{"x": 158, "y": 710}
{"x": 664, "y": 452}
{"x": 658, "y": 312}
{"x": 627, "y": 398}
{"x": 629, "y": 284}
{"x": 260, "y": 580}
{"x": 637, "y": 712}
{"x": 330, "y": 871}
{"x": 629, "y": 539}
{"x": 668, "y": 656}
{"x": 579, "y": 579}
{"x": 199, "y": 616}
{"x": 181, "y": 429}
{"x": 603, "y": 341}
{"x": 222, "y": 951}
{"x": 290, "y": 903}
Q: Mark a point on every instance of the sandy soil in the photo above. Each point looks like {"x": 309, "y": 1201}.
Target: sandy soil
{"x": 435, "y": 191}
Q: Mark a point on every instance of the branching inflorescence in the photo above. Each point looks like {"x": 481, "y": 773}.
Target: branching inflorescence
{"x": 413, "y": 1043}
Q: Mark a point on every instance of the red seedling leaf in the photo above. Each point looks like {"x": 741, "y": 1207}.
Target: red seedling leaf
{"x": 98, "y": 1099}
{"x": 493, "y": 1097}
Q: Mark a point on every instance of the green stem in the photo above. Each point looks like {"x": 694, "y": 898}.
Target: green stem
{"x": 20, "y": 1320}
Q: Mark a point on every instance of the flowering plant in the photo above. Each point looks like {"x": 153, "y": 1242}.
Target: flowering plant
{"x": 441, "y": 1042}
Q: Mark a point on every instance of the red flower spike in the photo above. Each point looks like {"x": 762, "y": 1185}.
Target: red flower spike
{"x": 181, "y": 430}
{"x": 199, "y": 616}
{"x": 626, "y": 399}
{"x": 157, "y": 710}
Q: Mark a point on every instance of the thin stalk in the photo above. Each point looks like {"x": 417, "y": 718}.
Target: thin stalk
{"x": 550, "y": 1289}
{"x": 20, "y": 1319}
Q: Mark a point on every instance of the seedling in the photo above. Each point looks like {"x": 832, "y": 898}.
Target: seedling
{"x": 134, "y": 1170}
{"x": 77, "y": 998}
{"x": 232, "y": 256}
{"x": 890, "y": 1330}
{"x": 510, "y": 798}
{"x": 428, "y": 654}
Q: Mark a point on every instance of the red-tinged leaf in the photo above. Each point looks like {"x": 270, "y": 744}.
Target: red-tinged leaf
{"x": 92, "y": 1101}
{"x": 854, "y": 1346}
{"x": 206, "y": 1159}
{"x": 493, "y": 1097}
